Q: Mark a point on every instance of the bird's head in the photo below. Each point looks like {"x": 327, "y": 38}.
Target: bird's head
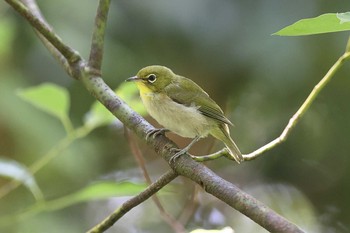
{"x": 153, "y": 79}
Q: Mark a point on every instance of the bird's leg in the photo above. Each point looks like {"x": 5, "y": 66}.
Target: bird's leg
{"x": 155, "y": 132}
{"x": 184, "y": 150}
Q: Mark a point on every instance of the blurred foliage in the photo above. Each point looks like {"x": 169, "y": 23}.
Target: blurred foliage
{"x": 16, "y": 171}
{"x": 225, "y": 47}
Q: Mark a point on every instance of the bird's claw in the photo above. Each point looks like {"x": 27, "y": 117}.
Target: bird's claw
{"x": 178, "y": 154}
{"x": 155, "y": 132}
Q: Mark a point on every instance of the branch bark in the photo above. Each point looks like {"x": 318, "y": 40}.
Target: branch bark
{"x": 97, "y": 42}
{"x": 185, "y": 166}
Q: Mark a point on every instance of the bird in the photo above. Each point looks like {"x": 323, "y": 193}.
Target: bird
{"x": 182, "y": 107}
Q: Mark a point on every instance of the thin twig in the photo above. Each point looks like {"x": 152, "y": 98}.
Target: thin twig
{"x": 347, "y": 49}
{"x": 135, "y": 201}
{"x": 190, "y": 206}
{"x": 168, "y": 218}
{"x": 292, "y": 122}
{"x": 302, "y": 110}
{"x": 212, "y": 156}
{"x": 97, "y": 42}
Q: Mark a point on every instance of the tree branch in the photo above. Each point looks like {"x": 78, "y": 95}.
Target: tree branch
{"x": 185, "y": 166}
{"x": 96, "y": 51}
{"x": 233, "y": 196}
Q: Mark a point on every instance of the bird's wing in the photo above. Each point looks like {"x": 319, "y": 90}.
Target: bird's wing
{"x": 185, "y": 91}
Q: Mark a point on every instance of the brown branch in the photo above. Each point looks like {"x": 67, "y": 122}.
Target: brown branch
{"x": 185, "y": 166}
{"x": 233, "y": 196}
{"x": 96, "y": 51}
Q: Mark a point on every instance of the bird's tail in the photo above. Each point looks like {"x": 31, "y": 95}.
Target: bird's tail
{"x": 222, "y": 133}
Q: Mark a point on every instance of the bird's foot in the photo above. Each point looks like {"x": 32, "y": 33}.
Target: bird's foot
{"x": 178, "y": 153}
{"x": 183, "y": 151}
{"x": 155, "y": 132}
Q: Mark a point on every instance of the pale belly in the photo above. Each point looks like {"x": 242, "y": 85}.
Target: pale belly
{"x": 184, "y": 121}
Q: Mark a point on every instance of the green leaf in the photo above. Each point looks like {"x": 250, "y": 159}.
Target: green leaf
{"x": 99, "y": 115}
{"x": 16, "y": 171}
{"x": 96, "y": 191}
{"x": 49, "y": 98}
{"x": 325, "y": 23}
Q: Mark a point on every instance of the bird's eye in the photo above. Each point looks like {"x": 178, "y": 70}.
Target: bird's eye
{"x": 151, "y": 78}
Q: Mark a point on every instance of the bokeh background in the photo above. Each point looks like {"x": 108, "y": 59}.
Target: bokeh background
{"x": 226, "y": 47}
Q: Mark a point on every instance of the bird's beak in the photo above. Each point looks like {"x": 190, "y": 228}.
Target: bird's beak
{"x": 132, "y": 79}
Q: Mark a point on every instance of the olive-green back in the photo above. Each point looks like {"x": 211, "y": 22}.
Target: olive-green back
{"x": 184, "y": 91}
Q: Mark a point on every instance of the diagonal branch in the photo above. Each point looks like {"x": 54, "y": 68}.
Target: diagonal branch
{"x": 185, "y": 166}
{"x": 233, "y": 196}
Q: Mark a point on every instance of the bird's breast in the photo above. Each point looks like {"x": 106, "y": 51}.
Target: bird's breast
{"x": 185, "y": 121}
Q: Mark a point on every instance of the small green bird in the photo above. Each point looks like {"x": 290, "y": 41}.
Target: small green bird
{"x": 181, "y": 106}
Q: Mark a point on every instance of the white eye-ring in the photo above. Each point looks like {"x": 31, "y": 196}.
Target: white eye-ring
{"x": 151, "y": 78}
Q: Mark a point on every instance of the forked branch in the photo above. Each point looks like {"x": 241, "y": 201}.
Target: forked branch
{"x": 89, "y": 74}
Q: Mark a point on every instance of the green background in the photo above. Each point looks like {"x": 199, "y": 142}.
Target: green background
{"x": 227, "y": 48}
